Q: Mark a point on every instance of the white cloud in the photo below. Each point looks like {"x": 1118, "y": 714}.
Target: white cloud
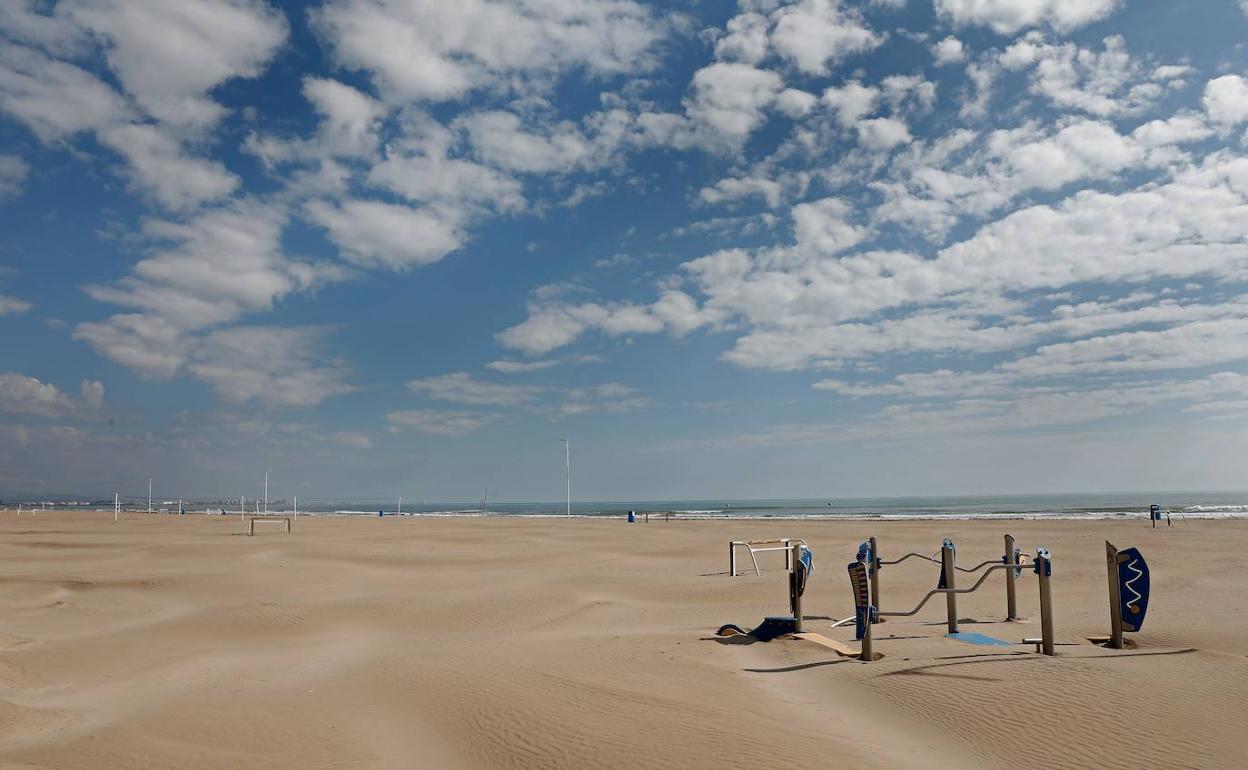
{"x": 852, "y": 101}
{"x": 26, "y": 395}
{"x": 500, "y": 138}
{"x": 159, "y": 164}
{"x": 169, "y": 56}
{"x": 909, "y": 93}
{"x": 746, "y": 39}
{"x": 207, "y": 271}
{"x": 795, "y": 103}
{"x": 882, "y": 133}
{"x": 730, "y": 98}
{"x": 349, "y": 117}
{"x": 553, "y": 325}
{"x": 515, "y": 367}
{"x": 418, "y": 168}
{"x": 435, "y": 50}
{"x": 609, "y": 397}
{"x": 353, "y": 439}
{"x": 55, "y": 99}
{"x": 273, "y": 366}
{"x": 1104, "y": 83}
{"x": 13, "y": 305}
{"x": 463, "y": 388}
{"x": 1009, "y": 16}
{"x": 22, "y": 21}
{"x": 13, "y": 173}
{"x": 803, "y": 306}
{"x": 737, "y": 188}
{"x": 1178, "y": 129}
{"x": 376, "y": 234}
{"x": 148, "y": 344}
{"x": 438, "y": 423}
{"x": 935, "y": 183}
{"x": 349, "y": 124}
{"x": 812, "y": 34}
{"x": 948, "y": 51}
{"x": 1226, "y": 100}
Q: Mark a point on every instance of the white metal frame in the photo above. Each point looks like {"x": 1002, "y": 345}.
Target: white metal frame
{"x": 780, "y": 544}
{"x": 254, "y": 520}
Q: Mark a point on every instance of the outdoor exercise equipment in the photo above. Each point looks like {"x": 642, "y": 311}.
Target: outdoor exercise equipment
{"x": 865, "y": 613}
{"x": 869, "y": 554}
{"x": 1128, "y": 592}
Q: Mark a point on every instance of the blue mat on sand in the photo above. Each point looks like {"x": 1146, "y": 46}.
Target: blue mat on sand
{"x": 970, "y": 637}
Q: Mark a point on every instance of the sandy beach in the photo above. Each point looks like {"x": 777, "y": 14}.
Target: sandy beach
{"x": 175, "y": 641}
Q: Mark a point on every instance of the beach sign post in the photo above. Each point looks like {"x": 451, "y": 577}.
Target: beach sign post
{"x": 1128, "y": 591}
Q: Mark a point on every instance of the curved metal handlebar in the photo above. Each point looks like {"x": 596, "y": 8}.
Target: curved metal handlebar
{"x": 977, "y": 567}
{"x": 935, "y": 591}
{"x": 907, "y": 556}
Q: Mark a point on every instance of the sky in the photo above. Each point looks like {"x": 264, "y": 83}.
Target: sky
{"x": 819, "y": 248}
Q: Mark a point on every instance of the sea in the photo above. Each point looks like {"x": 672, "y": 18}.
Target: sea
{"x": 1196, "y": 505}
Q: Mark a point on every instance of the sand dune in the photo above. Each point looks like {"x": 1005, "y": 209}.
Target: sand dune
{"x": 167, "y": 641}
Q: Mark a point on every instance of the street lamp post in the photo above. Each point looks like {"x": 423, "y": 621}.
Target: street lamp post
{"x": 567, "y": 471}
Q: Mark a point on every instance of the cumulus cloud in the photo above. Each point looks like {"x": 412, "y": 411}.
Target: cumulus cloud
{"x": 501, "y": 139}
{"x": 158, "y": 164}
{"x": 609, "y": 397}
{"x": 950, "y": 50}
{"x": 1101, "y": 83}
{"x": 515, "y": 367}
{"x": 851, "y": 102}
{"x": 13, "y": 305}
{"x": 737, "y": 188}
{"x": 53, "y": 98}
{"x": 376, "y": 234}
{"x": 438, "y": 423}
{"x": 1009, "y": 16}
{"x": 812, "y": 34}
{"x": 1226, "y": 100}
{"x": 463, "y": 388}
{"x": 168, "y": 56}
{"x": 745, "y": 39}
{"x": 272, "y": 366}
{"x": 730, "y": 98}
{"x": 13, "y": 173}
{"x": 805, "y": 306}
{"x": 553, "y": 325}
{"x": 882, "y": 133}
{"x": 21, "y": 394}
{"x": 207, "y": 271}
{"x": 349, "y": 126}
{"x": 419, "y": 50}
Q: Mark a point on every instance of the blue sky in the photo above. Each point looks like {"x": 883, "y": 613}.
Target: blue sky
{"x": 755, "y": 249}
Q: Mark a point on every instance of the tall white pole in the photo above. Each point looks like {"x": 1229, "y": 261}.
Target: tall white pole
{"x": 149, "y": 494}
{"x": 567, "y": 469}
{"x": 400, "y": 511}
{"x": 266, "y": 492}
{"x": 242, "y": 510}
{"x": 116, "y": 506}
{"x": 296, "y": 506}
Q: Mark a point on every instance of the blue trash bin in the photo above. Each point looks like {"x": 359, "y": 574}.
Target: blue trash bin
{"x": 632, "y": 517}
